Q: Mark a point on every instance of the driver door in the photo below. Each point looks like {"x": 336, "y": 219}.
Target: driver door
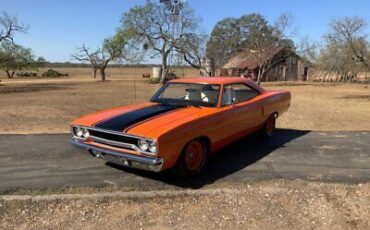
{"x": 240, "y": 112}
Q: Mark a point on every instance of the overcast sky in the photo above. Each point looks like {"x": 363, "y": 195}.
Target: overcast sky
{"x": 58, "y": 27}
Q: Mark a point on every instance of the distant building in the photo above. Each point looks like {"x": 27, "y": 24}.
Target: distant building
{"x": 287, "y": 66}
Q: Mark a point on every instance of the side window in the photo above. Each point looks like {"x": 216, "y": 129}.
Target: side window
{"x": 237, "y": 93}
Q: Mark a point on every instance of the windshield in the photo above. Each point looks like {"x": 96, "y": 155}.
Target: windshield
{"x": 183, "y": 94}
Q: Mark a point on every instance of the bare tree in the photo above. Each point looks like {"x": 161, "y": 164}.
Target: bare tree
{"x": 113, "y": 49}
{"x": 347, "y": 50}
{"x": 309, "y": 50}
{"x": 8, "y": 26}
{"x": 85, "y": 55}
{"x": 348, "y": 32}
{"x": 192, "y": 49}
{"x": 152, "y": 29}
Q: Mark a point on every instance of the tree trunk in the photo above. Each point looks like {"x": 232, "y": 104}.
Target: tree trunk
{"x": 102, "y": 73}
{"x": 259, "y": 76}
{"x": 95, "y": 70}
{"x": 164, "y": 68}
{"x": 10, "y": 73}
{"x": 102, "y": 69}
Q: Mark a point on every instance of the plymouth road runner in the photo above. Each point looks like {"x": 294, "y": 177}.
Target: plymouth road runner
{"x": 184, "y": 122}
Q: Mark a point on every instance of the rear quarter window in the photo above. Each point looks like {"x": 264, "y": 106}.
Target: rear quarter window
{"x": 237, "y": 93}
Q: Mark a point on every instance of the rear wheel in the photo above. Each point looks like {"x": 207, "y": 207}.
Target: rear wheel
{"x": 192, "y": 159}
{"x": 270, "y": 126}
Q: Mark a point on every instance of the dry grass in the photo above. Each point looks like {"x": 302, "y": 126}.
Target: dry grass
{"x": 39, "y": 106}
{"x": 50, "y": 108}
{"x": 326, "y": 106}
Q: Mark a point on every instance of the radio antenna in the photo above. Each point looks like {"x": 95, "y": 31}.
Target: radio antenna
{"x": 135, "y": 102}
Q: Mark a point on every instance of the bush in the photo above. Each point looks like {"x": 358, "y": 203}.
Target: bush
{"x": 153, "y": 80}
{"x": 170, "y": 76}
{"x": 53, "y": 73}
{"x": 27, "y": 74}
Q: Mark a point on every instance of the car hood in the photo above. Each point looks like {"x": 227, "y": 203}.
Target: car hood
{"x": 147, "y": 119}
{"x": 92, "y": 119}
{"x": 156, "y": 126}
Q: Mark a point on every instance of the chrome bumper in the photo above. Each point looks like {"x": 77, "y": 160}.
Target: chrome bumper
{"x": 128, "y": 160}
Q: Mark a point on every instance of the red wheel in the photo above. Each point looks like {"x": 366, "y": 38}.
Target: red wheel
{"x": 270, "y": 126}
{"x": 192, "y": 159}
{"x": 194, "y": 155}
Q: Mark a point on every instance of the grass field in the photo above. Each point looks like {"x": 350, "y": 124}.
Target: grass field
{"x": 39, "y": 106}
{"x": 112, "y": 73}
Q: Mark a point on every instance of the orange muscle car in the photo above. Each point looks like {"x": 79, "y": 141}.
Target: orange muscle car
{"x": 185, "y": 121}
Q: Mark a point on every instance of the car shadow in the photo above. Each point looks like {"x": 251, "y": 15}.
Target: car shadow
{"x": 225, "y": 162}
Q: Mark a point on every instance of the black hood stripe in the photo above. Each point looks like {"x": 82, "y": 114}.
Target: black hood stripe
{"x": 123, "y": 121}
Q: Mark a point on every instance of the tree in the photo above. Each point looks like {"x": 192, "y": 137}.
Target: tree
{"x": 16, "y": 58}
{"x": 264, "y": 40}
{"x": 40, "y": 62}
{"x": 349, "y": 32}
{"x": 347, "y": 49}
{"x": 113, "y": 49}
{"x": 309, "y": 50}
{"x": 152, "y": 30}
{"x": 251, "y": 33}
{"x": 225, "y": 41}
{"x": 191, "y": 47}
{"x": 9, "y": 25}
{"x": 85, "y": 55}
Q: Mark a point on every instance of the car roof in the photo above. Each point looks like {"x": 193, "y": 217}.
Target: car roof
{"x": 211, "y": 80}
{"x": 219, "y": 80}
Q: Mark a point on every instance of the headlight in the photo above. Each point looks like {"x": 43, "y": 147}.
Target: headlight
{"x": 148, "y": 146}
{"x": 81, "y": 132}
{"x": 143, "y": 145}
{"x": 85, "y": 133}
{"x": 153, "y": 147}
{"x": 78, "y": 131}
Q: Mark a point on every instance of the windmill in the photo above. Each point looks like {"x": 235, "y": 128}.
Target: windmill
{"x": 174, "y": 6}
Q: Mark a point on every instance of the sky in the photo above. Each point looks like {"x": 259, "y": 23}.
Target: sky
{"x": 57, "y": 28}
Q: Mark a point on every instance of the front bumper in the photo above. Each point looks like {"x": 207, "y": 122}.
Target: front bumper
{"x": 128, "y": 160}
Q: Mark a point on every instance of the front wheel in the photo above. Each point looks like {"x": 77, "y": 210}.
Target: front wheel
{"x": 270, "y": 126}
{"x": 192, "y": 159}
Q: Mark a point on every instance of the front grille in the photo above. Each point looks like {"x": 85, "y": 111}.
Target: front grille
{"x": 113, "y": 137}
{"x": 114, "y": 145}
{"x": 114, "y": 140}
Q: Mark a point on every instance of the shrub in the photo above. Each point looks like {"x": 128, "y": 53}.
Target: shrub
{"x": 27, "y": 74}
{"x": 146, "y": 75}
{"x": 169, "y": 76}
{"x": 153, "y": 80}
{"x": 53, "y": 73}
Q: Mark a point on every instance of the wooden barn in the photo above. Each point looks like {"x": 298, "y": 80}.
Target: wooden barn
{"x": 287, "y": 66}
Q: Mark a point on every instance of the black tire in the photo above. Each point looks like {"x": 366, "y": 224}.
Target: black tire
{"x": 269, "y": 128}
{"x": 182, "y": 167}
